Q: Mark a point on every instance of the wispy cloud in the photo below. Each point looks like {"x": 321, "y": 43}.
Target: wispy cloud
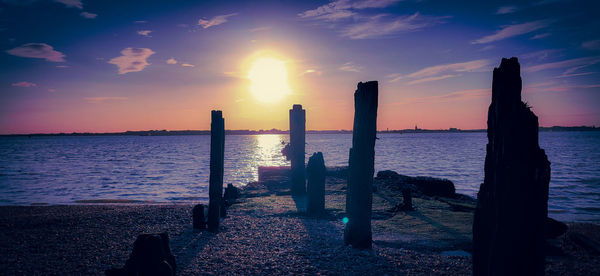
{"x": 88, "y": 15}
{"x": 351, "y": 22}
{"x": 343, "y": 8}
{"x": 507, "y": 9}
{"x": 582, "y": 62}
{"x": 540, "y": 36}
{"x": 132, "y": 60}
{"x": 24, "y": 84}
{"x": 71, "y": 3}
{"x": 144, "y": 32}
{"x": 385, "y": 25}
{"x": 542, "y": 55}
{"x": 513, "y": 30}
{"x": 171, "y": 61}
{"x": 430, "y": 79}
{"x": 591, "y": 45}
{"x": 187, "y": 65}
{"x": 440, "y": 72}
{"x": 104, "y": 99}
{"x": 37, "y": 50}
{"x": 215, "y": 21}
{"x": 350, "y": 67}
{"x": 453, "y": 96}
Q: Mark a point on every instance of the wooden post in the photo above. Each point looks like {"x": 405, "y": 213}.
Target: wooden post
{"x": 297, "y": 141}
{"x": 217, "y": 154}
{"x": 198, "y": 220}
{"x": 315, "y": 200}
{"x": 512, "y": 203}
{"x": 359, "y": 198}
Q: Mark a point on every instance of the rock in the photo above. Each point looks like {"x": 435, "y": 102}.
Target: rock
{"x": 429, "y": 186}
{"x": 151, "y": 255}
{"x": 554, "y": 228}
{"x": 512, "y": 202}
{"x": 198, "y": 221}
{"x": 315, "y": 200}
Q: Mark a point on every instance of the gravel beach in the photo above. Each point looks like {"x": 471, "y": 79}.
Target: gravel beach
{"x": 263, "y": 234}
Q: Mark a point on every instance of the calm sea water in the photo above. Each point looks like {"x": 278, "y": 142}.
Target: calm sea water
{"x": 62, "y": 170}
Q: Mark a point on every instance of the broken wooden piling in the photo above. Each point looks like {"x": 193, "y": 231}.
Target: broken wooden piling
{"x": 315, "y": 200}
{"x": 217, "y": 155}
{"x": 359, "y": 198}
{"x": 512, "y": 202}
{"x": 297, "y": 143}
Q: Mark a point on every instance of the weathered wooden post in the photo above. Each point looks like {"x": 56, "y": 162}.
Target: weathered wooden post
{"x": 359, "y": 198}
{"x": 198, "y": 220}
{"x": 315, "y": 200}
{"x": 512, "y": 205}
{"x": 297, "y": 143}
{"x": 217, "y": 154}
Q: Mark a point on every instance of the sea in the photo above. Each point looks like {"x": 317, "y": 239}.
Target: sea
{"x": 54, "y": 170}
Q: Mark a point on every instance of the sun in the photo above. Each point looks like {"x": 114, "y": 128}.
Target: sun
{"x": 268, "y": 79}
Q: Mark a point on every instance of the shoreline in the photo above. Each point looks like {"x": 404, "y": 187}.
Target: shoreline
{"x": 265, "y": 232}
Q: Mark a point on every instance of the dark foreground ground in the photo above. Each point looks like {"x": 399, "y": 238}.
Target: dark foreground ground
{"x": 263, "y": 234}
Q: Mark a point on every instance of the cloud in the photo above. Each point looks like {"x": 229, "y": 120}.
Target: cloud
{"x": 443, "y": 71}
{"x": 384, "y": 25}
{"x": 62, "y": 66}
{"x": 429, "y": 79}
{"x": 171, "y": 61}
{"x": 37, "y": 50}
{"x": 342, "y": 8}
{"x": 215, "y": 21}
{"x": 349, "y": 18}
{"x": 540, "y": 36}
{"x": 88, "y": 15}
{"x": 71, "y": 3}
{"x": 582, "y": 62}
{"x": 187, "y": 65}
{"x": 51, "y": 90}
{"x": 453, "y": 96}
{"x": 542, "y": 55}
{"x": 24, "y": 84}
{"x": 350, "y": 67}
{"x": 144, "y": 32}
{"x": 591, "y": 45}
{"x": 140, "y": 22}
{"x": 104, "y": 99}
{"x": 513, "y": 30}
{"x": 132, "y": 60}
{"x": 507, "y": 9}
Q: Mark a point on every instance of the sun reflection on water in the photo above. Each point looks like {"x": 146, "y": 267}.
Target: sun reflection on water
{"x": 268, "y": 149}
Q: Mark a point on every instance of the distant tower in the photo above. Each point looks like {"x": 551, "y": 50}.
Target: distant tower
{"x": 416, "y": 128}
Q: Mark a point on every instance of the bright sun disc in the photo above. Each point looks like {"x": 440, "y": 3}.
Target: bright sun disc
{"x": 268, "y": 79}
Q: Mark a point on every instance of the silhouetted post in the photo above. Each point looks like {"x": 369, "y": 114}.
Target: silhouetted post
{"x": 198, "y": 222}
{"x": 297, "y": 136}
{"x": 315, "y": 201}
{"x": 407, "y": 200}
{"x": 359, "y": 198}
{"x": 512, "y": 205}
{"x": 217, "y": 151}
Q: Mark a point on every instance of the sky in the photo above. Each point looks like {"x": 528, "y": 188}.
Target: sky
{"x": 111, "y": 66}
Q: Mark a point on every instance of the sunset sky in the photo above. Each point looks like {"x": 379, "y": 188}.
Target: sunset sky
{"x": 107, "y": 66}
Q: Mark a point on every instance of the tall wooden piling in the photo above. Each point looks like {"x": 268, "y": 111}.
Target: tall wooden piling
{"x": 512, "y": 203}
{"x": 359, "y": 198}
{"x": 217, "y": 155}
{"x": 297, "y": 142}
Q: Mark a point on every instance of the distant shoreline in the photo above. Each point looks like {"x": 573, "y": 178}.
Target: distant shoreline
{"x": 277, "y": 131}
